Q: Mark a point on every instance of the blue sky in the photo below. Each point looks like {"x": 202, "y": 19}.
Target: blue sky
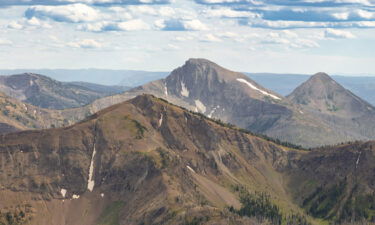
{"x": 304, "y": 36}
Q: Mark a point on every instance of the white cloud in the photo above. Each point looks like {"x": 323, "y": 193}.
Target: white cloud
{"x": 85, "y": 43}
{"x": 92, "y": 2}
{"x": 210, "y": 38}
{"x": 15, "y": 25}
{"x": 167, "y": 11}
{"x": 120, "y": 13}
{"x": 227, "y": 34}
{"x": 195, "y": 25}
{"x": 142, "y": 10}
{"x": 341, "y": 15}
{"x": 228, "y": 1}
{"x": 364, "y": 14}
{"x": 290, "y": 34}
{"x": 180, "y": 25}
{"x": 32, "y": 23}
{"x": 229, "y": 13}
{"x": 133, "y": 25}
{"x": 5, "y": 42}
{"x": 304, "y": 43}
{"x": 303, "y": 24}
{"x": 335, "y": 34}
{"x": 130, "y": 25}
{"x": 288, "y": 39}
{"x": 74, "y": 13}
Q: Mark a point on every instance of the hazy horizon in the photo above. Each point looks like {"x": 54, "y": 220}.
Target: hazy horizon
{"x": 27, "y": 70}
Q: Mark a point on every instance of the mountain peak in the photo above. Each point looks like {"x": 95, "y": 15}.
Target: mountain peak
{"x": 199, "y": 61}
{"x": 323, "y": 93}
{"x": 321, "y": 76}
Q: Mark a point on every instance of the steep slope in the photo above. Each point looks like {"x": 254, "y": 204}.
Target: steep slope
{"x": 140, "y": 162}
{"x": 45, "y": 92}
{"x": 336, "y": 183}
{"x": 15, "y": 115}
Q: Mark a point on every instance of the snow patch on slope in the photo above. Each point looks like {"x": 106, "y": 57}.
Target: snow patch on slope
{"x": 200, "y": 106}
{"x": 357, "y": 162}
{"x": 90, "y": 181}
{"x": 165, "y": 89}
{"x": 63, "y": 192}
{"x": 75, "y": 197}
{"x": 257, "y": 89}
{"x": 184, "y": 90}
{"x": 161, "y": 120}
{"x": 191, "y": 169}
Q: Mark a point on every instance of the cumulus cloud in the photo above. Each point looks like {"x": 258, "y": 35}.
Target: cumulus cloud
{"x": 338, "y": 34}
{"x": 288, "y": 39}
{"x": 228, "y": 2}
{"x": 229, "y": 13}
{"x": 15, "y": 25}
{"x": 130, "y": 25}
{"x": 5, "y": 42}
{"x": 85, "y": 43}
{"x": 180, "y": 25}
{"x": 32, "y": 23}
{"x": 210, "y": 38}
{"x": 91, "y": 2}
{"x": 74, "y": 13}
{"x": 303, "y": 24}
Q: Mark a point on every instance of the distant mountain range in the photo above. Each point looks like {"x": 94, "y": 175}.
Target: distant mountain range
{"x": 319, "y": 111}
{"x": 284, "y": 84}
{"x": 205, "y": 87}
{"x": 44, "y": 92}
{"x": 146, "y": 161}
{"x": 128, "y": 78}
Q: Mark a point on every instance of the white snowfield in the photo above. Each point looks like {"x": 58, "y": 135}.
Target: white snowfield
{"x": 357, "y": 162}
{"x": 165, "y": 89}
{"x": 201, "y": 107}
{"x": 63, "y": 192}
{"x": 184, "y": 90}
{"x": 161, "y": 120}
{"x": 91, "y": 182}
{"x": 257, "y": 89}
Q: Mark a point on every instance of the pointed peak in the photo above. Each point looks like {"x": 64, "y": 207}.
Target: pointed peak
{"x": 204, "y": 68}
{"x": 321, "y": 76}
